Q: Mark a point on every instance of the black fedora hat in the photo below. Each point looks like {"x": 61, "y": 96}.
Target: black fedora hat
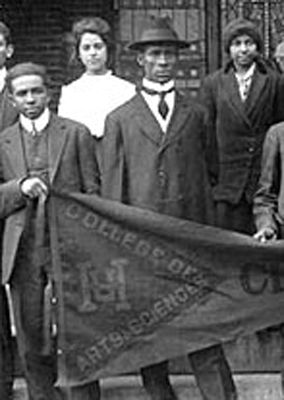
{"x": 157, "y": 31}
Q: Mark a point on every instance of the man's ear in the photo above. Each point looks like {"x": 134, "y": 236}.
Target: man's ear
{"x": 140, "y": 59}
{"x": 9, "y": 50}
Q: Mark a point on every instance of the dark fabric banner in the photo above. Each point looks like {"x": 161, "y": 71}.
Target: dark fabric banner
{"x": 136, "y": 288}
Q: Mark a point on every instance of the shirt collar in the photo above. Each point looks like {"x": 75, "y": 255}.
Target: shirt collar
{"x": 248, "y": 74}
{"x": 3, "y": 73}
{"x": 158, "y": 86}
{"x": 39, "y": 123}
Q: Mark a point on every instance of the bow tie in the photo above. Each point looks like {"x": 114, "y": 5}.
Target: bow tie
{"x": 163, "y": 107}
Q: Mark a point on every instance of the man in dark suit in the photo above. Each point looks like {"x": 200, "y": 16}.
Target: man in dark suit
{"x": 8, "y": 116}
{"x": 153, "y": 157}
{"x": 269, "y": 198}
{"x": 40, "y": 152}
{"x": 243, "y": 100}
{"x": 8, "y": 113}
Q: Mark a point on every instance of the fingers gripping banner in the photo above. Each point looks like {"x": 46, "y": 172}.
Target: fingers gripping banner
{"x": 135, "y": 288}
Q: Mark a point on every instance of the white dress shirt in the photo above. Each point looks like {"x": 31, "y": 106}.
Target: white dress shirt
{"x": 38, "y": 124}
{"x": 153, "y": 100}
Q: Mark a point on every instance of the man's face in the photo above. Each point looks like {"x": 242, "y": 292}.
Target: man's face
{"x": 243, "y": 51}
{"x": 29, "y": 95}
{"x": 159, "y": 62}
{"x": 6, "y": 51}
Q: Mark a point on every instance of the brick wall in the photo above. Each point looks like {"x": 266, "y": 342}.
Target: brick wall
{"x": 40, "y": 30}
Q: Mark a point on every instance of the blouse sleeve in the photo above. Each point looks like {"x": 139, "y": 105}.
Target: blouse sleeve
{"x": 64, "y": 106}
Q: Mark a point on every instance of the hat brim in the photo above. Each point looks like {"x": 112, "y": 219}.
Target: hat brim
{"x": 140, "y": 45}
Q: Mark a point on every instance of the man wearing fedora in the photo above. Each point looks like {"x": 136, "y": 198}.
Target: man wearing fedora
{"x": 153, "y": 158}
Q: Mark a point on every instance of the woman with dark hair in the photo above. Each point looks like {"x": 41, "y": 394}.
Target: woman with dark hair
{"x": 97, "y": 92}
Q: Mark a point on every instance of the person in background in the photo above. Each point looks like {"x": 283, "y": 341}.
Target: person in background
{"x": 269, "y": 197}
{"x": 8, "y": 116}
{"x": 153, "y": 158}
{"x": 269, "y": 201}
{"x": 279, "y": 56}
{"x": 243, "y": 100}
{"x": 38, "y": 153}
{"x": 8, "y": 113}
{"x": 97, "y": 92}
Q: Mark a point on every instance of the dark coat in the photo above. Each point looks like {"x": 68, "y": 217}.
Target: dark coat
{"x": 236, "y": 130}
{"x": 269, "y": 198}
{"x": 8, "y": 113}
{"x": 144, "y": 167}
{"x": 72, "y": 168}
{"x": 8, "y": 116}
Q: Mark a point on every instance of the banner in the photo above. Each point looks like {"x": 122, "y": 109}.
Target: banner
{"x": 135, "y": 287}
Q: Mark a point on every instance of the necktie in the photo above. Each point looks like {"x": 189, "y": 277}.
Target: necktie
{"x": 34, "y": 130}
{"x": 163, "y": 107}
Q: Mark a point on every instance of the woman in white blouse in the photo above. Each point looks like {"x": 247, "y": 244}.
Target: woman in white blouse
{"x": 97, "y": 92}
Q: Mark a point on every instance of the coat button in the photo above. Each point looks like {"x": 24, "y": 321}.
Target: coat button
{"x": 251, "y": 149}
{"x": 53, "y": 300}
{"x": 162, "y": 178}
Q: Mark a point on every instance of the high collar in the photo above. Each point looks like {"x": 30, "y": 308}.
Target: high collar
{"x": 247, "y": 75}
{"x": 39, "y": 123}
{"x": 158, "y": 86}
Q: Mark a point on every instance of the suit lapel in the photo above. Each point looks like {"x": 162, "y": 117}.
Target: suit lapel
{"x": 3, "y": 106}
{"x": 57, "y": 137}
{"x": 14, "y": 148}
{"x": 146, "y": 120}
{"x": 258, "y": 85}
{"x": 231, "y": 92}
{"x": 150, "y": 126}
{"x": 180, "y": 115}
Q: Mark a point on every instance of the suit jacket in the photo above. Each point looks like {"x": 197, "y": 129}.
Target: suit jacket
{"x": 236, "y": 129}
{"x": 8, "y": 116}
{"x": 163, "y": 172}
{"x": 269, "y": 198}
{"x": 72, "y": 168}
{"x": 8, "y": 113}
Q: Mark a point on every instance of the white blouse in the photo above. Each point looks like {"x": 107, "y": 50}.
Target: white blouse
{"x": 91, "y": 98}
